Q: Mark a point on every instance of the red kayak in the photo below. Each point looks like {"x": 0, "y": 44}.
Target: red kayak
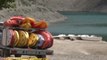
{"x": 48, "y": 39}
{"x": 9, "y": 34}
{"x": 13, "y": 21}
{"x": 51, "y": 39}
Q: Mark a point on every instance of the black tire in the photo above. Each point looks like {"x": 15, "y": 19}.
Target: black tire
{"x": 17, "y": 55}
{"x": 49, "y": 52}
{"x": 5, "y": 53}
{"x": 41, "y": 56}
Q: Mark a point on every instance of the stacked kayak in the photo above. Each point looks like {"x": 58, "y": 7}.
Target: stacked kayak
{"x": 38, "y": 38}
{"x": 26, "y": 22}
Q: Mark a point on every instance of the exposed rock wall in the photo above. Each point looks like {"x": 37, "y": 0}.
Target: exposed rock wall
{"x": 32, "y": 8}
{"x": 78, "y": 5}
{"x": 46, "y": 9}
{"x": 70, "y": 5}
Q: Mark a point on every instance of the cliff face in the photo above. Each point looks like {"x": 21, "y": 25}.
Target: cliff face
{"x": 78, "y": 5}
{"x": 37, "y": 12}
{"x": 47, "y": 9}
{"x": 70, "y": 5}
{"x": 32, "y": 8}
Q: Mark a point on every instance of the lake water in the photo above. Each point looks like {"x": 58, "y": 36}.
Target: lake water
{"x": 91, "y": 23}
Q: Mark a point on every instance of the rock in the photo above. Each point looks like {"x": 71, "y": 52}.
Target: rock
{"x": 78, "y": 5}
{"x": 37, "y": 11}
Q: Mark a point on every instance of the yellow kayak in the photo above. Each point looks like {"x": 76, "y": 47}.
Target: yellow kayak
{"x": 33, "y": 39}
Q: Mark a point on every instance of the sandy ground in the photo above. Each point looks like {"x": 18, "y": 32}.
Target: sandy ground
{"x": 79, "y": 50}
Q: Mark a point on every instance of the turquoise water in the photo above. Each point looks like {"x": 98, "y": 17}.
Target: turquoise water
{"x": 81, "y": 23}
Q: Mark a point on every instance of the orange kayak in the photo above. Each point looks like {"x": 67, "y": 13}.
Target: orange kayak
{"x": 41, "y": 24}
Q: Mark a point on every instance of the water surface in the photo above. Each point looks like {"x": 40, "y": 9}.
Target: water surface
{"x": 82, "y": 23}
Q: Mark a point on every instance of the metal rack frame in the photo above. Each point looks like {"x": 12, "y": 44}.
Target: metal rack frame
{"x": 7, "y": 51}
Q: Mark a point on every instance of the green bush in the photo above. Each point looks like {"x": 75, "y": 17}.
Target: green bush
{"x": 6, "y": 4}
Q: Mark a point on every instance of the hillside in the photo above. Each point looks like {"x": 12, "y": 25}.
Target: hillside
{"x": 27, "y": 8}
{"x": 47, "y": 9}
{"x": 78, "y": 5}
{"x": 71, "y": 5}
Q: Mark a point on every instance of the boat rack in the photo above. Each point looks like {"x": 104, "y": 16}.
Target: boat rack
{"x": 8, "y": 51}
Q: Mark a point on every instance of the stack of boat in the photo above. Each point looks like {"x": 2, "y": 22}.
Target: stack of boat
{"x": 78, "y": 37}
{"x": 26, "y": 32}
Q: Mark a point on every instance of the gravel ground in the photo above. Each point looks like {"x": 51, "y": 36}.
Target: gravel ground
{"x": 79, "y": 50}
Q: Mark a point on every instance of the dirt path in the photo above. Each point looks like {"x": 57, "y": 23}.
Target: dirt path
{"x": 79, "y": 50}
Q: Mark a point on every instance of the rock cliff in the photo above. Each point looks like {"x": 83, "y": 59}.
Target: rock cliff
{"x": 47, "y": 9}
{"x": 78, "y": 5}
{"x": 70, "y": 5}
{"x": 32, "y": 8}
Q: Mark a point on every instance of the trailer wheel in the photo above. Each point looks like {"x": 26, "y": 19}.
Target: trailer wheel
{"x": 41, "y": 56}
{"x": 6, "y": 53}
{"x": 17, "y": 55}
{"x": 50, "y": 52}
